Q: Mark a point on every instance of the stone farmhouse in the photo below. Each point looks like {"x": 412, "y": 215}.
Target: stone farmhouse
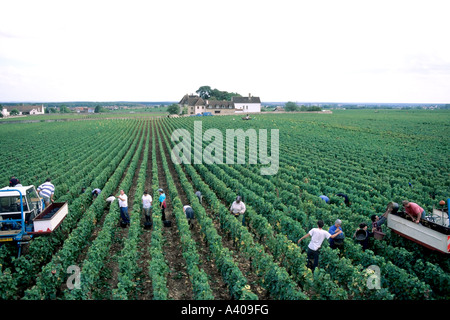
{"x": 240, "y": 105}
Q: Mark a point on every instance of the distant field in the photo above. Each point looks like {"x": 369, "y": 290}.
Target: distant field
{"x": 373, "y": 156}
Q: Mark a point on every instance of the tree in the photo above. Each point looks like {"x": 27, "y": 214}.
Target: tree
{"x": 290, "y": 106}
{"x": 98, "y": 109}
{"x": 14, "y": 112}
{"x": 204, "y": 92}
{"x": 173, "y": 108}
{"x": 64, "y": 109}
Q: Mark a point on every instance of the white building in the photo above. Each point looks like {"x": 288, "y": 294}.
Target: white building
{"x": 23, "y": 110}
{"x": 246, "y": 104}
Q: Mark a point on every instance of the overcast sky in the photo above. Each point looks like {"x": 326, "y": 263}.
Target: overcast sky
{"x": 279, "y": 50}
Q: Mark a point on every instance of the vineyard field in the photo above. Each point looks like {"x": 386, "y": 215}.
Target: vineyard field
{"x": 373, "y": 156}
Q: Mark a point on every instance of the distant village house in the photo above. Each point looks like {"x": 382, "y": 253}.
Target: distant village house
{"x": 84, "y": 110}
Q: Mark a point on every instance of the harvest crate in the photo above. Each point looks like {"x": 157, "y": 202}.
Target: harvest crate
{"x": 49, "y": 219}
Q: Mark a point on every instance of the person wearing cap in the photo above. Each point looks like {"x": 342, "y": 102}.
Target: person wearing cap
{"x": 334, "y": 243}
{"x": 415, "y": 211}
{"x": 238, "y": 209}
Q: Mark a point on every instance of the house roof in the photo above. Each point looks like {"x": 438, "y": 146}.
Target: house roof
{"x": 220, "y": 104}
{"x": 198, "y": 102}
{"x": 192, "y": 100}
{"x": 246, "y": 99}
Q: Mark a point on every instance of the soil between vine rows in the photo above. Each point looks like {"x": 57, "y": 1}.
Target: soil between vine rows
{"x": 220, "y": 289}
{"x": 178, "y": 282}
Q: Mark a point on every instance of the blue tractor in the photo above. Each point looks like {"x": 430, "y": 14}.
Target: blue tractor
{"x": 23, "y": 215}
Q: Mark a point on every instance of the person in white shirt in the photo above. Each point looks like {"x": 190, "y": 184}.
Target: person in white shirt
{"x": 238, "y": 208}
{"x": 123, "y": 204}
{"x": 318, "y": 235}
{"x": 147, "y": 206}
{"x": 46, "y": 191}
{"x": 111, "y": 198}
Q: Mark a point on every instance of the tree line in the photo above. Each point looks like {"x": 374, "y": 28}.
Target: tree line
{"x": 292, "y": 106}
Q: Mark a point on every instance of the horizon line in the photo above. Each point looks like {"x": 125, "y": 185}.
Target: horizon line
{"x": 173, "y": 101}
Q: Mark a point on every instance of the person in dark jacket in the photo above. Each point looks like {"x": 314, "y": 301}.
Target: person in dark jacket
{"x": 13, "y": 182}
{"x": 362, "y": 236}
{"x": 346, "y": 201}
